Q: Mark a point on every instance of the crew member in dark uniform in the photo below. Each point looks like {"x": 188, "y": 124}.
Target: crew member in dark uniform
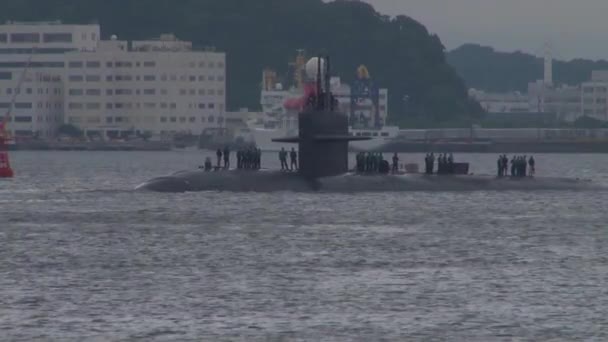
{"x": 450, "y": 163}
{"x": 499, "y": 166}
{"x": 208, "y": 164}
{"x": 395, "y": 163}
{"x": 258, "y": 158}
{"x": 532, "y": 163}
{"x": 219, "y": 157}
{"x": 283, "y": 159}
{"x": 226, "y": 157}
{"x": 239, "y": 159}
{"x": 293, "y": 155}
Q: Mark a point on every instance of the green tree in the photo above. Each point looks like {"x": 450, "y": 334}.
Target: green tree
{"x": 400, "y": 53}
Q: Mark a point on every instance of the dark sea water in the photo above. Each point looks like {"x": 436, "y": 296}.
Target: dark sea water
{"x": 84, "y": 257}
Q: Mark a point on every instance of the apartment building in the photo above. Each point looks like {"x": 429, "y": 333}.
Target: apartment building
{"x": 111, "y": 88}
{"x": 594, "y": 96}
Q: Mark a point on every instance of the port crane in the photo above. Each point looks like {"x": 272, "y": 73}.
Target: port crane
{"x": 5, "y": 166}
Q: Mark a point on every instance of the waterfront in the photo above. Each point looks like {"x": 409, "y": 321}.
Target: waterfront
{"x": 84, "y": 256}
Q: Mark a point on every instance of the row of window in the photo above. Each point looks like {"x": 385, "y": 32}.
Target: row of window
{"x": 145, "y": 64}
{"x": 40, "y": 118}
{"x": 128, "y": 105}
{"x": 147, "y": 78}
{"x": 192, "y": 119}
{"x": 30, "y": 91}
{"x": 125, "y": 119}
{"x": 149, "y": 91}
{"x": 36, "y": 37}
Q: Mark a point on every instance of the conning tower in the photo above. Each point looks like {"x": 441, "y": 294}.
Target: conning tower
{"x": 323, "y": 131}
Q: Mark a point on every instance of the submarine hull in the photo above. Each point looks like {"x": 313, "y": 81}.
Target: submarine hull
{"x": 276, "y": 181}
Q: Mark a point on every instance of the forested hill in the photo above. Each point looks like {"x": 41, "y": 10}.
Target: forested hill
{"x": 484, "y": 68}
{"x": 399, "y": 52}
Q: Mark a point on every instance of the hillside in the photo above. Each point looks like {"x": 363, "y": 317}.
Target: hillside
{"x": 399, "y": 52}
{"x": 484, "y": 68}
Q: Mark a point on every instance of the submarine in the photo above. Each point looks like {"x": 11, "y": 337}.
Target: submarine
{"x": 323, "y": 140}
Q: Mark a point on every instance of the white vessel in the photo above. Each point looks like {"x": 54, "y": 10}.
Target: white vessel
{"x": 364, "y": 102}
{"x": 262, "y": 136}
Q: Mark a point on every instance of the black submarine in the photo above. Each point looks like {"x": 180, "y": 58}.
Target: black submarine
{"x": 323, "y": 140}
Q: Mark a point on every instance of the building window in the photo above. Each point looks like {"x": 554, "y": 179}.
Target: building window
{"x": 23, "y": 119}
{"x": 182, "y": 119}
{"x": 201, "y": 78}
{"x": 93, "y": 64}
{"x": 109, "y": 119}
{"x": 25, "y": 38}
{"x": 182, "y": 91}
{"x": 149, "y": 91}
{"x": 211, "y": 92}
{"x": 108, "y": 64}
{"x": 173, "y": 78}
{"x": 164, "y": 92}
{"x": 149, "y": 105}
{"x": 192, "y": 119}
{"x": 57, "y": 37}
{"x": 192, "y": 91}
{"x": 28, "y": 90}
{"x": 201, "y": 91}
{"x": 211, "y": 119}
{"x": 163, "y": 119}
{"x": 93, "y": 105}
{"x": 163, "y": 78}
{"x": 149, "y": 64}
{"x": 211, "y": 65}
{"x": 211, "y": 78}
{"x": 149, "y": 78}
{"x": 3, "y": 38}
{"x": 93, "y": 92}
{"x": 109, "y": 91}
{"x": 201, "y": 106}
{"x": 75, "y": 105}
{"x": 173, "y": 119}
{"x": 192, "y": 78}
{"x": 173, "y": 106}
{"x": 93, "y": 78}
{"x": 123, "y": 91}
{"x": 201, "y": 64}
{"x": 23, "y": 105}
{"x": 163, "y": 105}
{"x": 75, "y": 92}
{"x": 211, "y": 106}
{"x": 109, "y": 78}
{"x": 220, "y": 78}
{"x": 109, "y": 106}
{"x": 75, "y": 64}
{"x": 75, "y": 78}
{"x": 5, "y": 75}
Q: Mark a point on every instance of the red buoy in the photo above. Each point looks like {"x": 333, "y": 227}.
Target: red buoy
{"x": 5, "y": 165}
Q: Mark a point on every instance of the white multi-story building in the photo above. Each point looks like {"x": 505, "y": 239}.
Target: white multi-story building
{"x": 564, "y": 101}
{"x": 594, "y": 96}
{"x": 513, "y": 102}
{"x": 111, "y": 88}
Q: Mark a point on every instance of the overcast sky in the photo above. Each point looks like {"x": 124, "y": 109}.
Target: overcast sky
{"x": 576, "y": 28}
